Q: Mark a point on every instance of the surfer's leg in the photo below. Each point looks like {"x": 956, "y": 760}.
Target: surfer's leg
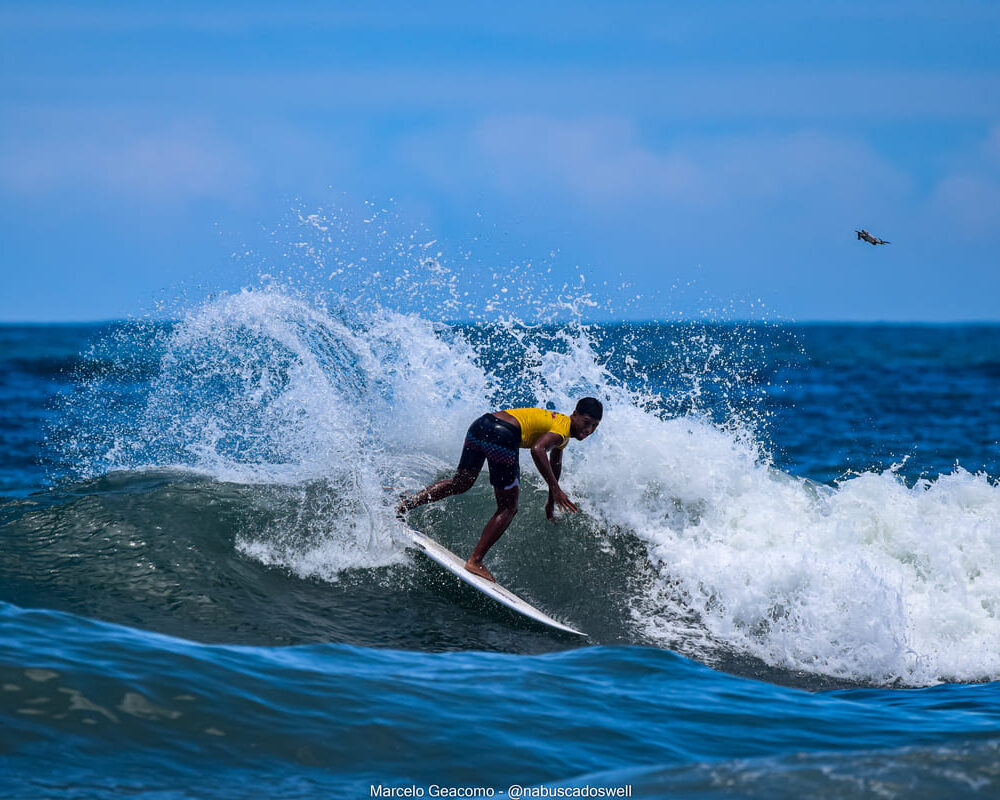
{"x": 505, "y": 476}
{"x": 470, "y": 463}
{"x": 459, "y": 483}
{"x": 499, "y": 522}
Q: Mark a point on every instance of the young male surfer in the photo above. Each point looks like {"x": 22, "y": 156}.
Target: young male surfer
{"x": 496, "y": 438}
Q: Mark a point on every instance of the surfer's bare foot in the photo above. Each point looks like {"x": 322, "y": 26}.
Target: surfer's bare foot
{"x": 477, "y": 568}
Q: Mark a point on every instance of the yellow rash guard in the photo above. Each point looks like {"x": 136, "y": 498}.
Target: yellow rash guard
{"x": 536, "y": 421}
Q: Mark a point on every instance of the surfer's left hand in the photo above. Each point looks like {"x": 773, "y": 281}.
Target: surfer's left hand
{"x": 558, "y": 497}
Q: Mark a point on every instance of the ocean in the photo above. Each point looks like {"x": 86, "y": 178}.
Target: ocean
{"x": 787, "y": 559}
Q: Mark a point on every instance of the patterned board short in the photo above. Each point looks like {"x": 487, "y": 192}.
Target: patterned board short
{"x": 495, "y": 441}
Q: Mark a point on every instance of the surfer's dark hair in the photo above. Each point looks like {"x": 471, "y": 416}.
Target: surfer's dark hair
{"x": 590, "y": 406}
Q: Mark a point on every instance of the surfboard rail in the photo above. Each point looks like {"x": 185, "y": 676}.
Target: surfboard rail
{"x": 456, "y": 566}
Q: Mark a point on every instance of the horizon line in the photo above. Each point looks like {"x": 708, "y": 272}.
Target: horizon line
{"x": 13, "y": 323}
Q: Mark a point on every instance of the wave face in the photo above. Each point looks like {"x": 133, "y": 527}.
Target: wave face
{"x": 258, "y": 434}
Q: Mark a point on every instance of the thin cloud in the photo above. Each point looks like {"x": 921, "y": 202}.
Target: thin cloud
{"x": 603, "y": 164}
{"x": 172, "y": 164}
{"x": 967, "y": 199}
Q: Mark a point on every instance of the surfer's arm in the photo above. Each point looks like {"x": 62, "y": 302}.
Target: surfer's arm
{"x": 540, "y": 455}
{"x": 555, "y": 461}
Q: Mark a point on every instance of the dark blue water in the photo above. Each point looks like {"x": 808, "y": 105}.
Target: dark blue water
{"x": 788, "y": 561}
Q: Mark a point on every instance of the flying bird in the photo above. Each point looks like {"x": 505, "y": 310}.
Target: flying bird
{"x": 863, "y": 234}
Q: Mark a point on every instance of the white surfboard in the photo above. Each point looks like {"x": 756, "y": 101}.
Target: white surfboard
{"x": 456, "y": 566}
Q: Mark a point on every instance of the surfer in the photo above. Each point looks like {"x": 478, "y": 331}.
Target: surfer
{"x": 496, "y": 438}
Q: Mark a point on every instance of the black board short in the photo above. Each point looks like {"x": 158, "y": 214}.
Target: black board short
{"x": 495, "y": 441}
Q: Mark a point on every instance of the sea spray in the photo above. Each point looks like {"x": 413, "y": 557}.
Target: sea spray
{"x": 321, "y": 402}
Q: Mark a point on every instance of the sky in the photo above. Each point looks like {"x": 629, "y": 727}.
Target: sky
{"x": 709, "y": 154}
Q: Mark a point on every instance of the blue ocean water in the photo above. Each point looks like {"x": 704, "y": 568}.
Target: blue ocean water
{"x": 788, "y": 559}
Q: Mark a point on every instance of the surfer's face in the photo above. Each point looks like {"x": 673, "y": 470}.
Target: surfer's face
{"x": 582, "y": 425}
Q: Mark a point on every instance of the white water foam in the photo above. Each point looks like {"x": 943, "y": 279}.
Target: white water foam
{"x": 870, "y": 580}
{"x": 265, "y": 388}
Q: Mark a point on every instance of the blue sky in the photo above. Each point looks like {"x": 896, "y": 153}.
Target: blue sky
{"x": 728, "y": 149}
